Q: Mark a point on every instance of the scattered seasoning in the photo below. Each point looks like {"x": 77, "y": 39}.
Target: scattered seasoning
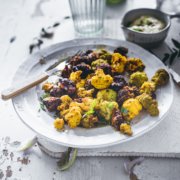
{"x": 12, "y": 39}
{"x": 1, "y": 174}
{"x": 20, "y": 169}
{"x": 56, "y": 24}
{"x": 5, "y": 152}
{"x": 9, "y": 172}
{"x": 47, "y": 33}
{"x": 175, "y": 53}
{"x": 11, "y": 156}
{"x": 42, "y": 61}
{"x": 67, "y": 17}
{"x": 36, "y": 44}
{"x": 24, "y": 160}
{"x": 15, "y": 144}
{"x": 7, "y": 139}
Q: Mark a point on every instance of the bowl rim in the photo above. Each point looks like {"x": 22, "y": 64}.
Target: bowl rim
{"x": 145, "y": 33}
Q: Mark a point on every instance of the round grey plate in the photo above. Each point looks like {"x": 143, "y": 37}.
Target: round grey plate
{"x": 27, "y": 104}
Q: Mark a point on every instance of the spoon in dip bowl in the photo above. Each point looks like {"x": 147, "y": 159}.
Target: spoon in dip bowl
{"x": 146, "y": 27}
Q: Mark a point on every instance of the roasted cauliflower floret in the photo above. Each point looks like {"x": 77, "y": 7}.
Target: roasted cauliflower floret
{"x": 126, "y": 129}
{"x": 59, "y": 123}
{"x": 51, "y": 103}
{"x": 105, "y": 109}
{"x": 118, "y": 62}
{"x": 73, "y": 117}
{"x": 138, "y": 78}
{"x": 89, "y": 121}
{"x": 88, "y": 103}
{"x": 75, "y": 76}
{"x": 82, "y": 92}
{"x": 47, "y": 86}
{"x": 130, "y": 109}
{"x": 149, "y": 104}
{"x": 80, "y": 83}
{"x": 134, "y": 64}
{"x": 65, "y": 101}
{"x": 100, "y": 80}
{"x": 107, "y": 94}
{"x": 161, "y": 77}
{"x": 97, "y": 63}
{"x": 148, "y": 87}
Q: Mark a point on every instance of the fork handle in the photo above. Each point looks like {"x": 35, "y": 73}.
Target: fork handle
{"x": 22, "y": 87}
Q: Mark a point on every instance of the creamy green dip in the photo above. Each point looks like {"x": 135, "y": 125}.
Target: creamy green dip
{"x": 147, "y": 24}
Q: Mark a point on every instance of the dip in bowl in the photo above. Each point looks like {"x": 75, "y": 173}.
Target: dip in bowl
{"x": 146, "y": 27}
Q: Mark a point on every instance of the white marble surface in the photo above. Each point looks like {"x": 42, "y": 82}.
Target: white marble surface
{"x": 24, "y": 19}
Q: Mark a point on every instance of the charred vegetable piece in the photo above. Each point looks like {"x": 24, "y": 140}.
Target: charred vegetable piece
{"x": 117, "y": 119}
{"x": 118, "y": 62}
{"x": 51, "y": 103}
{"x": 85, "y": 68}
{"x": 97, "y": 63}
{"x": 149, "y": 104}
{"x": 134, "y": 64}
{"x": 47, "y": 86}
{"x": 100, "y": 80}
{"x": 126, "y": 129}
{"x": 107, "y": 94}
{"x": 130, "y": 109}
{"x": 118, "y": 83}
{"x": 121, "y": 50}
{"x": 106, "y": 68}
{"x": 138, "y": 78}
{"x": 161, "y": 77}
{"x": 126, "y": 93}
{"x": 106, "y": 108}
{"x": 59, "y": 123}
{"x": 148, "y": 87}
{"x": 66, "y": 71}
{"x": 73, "y": 117}
{"x": 89, "y": 121}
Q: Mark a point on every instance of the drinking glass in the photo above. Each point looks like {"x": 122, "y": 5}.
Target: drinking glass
{"x": 88, "y": 15}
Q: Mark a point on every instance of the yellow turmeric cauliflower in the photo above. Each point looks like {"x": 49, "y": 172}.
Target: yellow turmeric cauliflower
{"x": 73, "y": 117}
{"x": 82, "y": 92}
{"x": 80, "y": 83}
{"x": 47, "y": 86}
{"x": 130, "y": 109}
{"x": 100, "y": 80}
{"x": 98, "y": 62}
{"x": 148, "y": 87}
{"x": 126, "y": 129}
{"x": 107, "y": 94}
{"x": 75, "y": 76}
{"x": 59, "y": 123}
{"x": 118, "y": 62}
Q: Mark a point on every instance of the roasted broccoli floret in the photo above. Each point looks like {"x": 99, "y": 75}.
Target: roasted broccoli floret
{"x": 89, "y": 121}
{"x": 149, "y": 104}
{"x": 138, "y": 78}
{"x": 97, "y": 63}
{"x": 161, "y": 77}
{"x": 105, "y": 109}
{"x": 107, "y": 94}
